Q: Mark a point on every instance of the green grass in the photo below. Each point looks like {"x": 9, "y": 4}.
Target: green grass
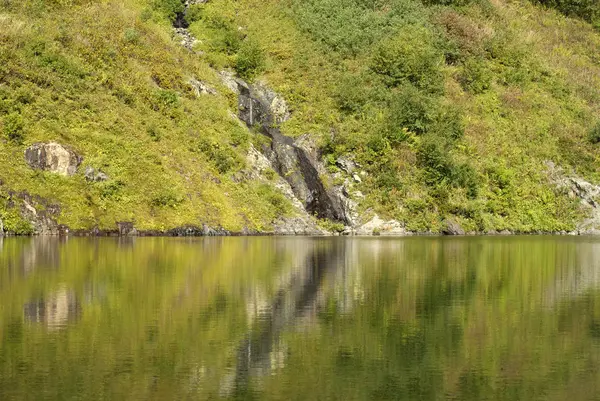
{"x": 438, "y": 101}
{"x": 112, "y": 85}
{"x": 451, "y": 108}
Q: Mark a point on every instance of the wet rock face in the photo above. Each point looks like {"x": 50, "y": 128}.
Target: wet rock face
{"x": 259, "y": 106}
{"x": 52, "y": 157}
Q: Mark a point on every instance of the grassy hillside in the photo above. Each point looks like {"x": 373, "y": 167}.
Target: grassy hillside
{"x": 451, "y": 107}
{"x": 109, "y": 80}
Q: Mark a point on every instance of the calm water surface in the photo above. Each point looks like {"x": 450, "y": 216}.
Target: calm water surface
{"x": 506, "y": 318}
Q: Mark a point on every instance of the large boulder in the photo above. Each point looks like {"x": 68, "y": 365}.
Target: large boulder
{"x": 452, "y": 227}
{"x": 52, "y": 157}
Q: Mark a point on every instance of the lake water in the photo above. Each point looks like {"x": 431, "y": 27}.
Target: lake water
{"x": 428, "y": 318}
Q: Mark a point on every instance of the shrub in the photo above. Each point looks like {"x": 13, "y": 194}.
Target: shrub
{"x": 346, "y": 27}
{"x": 351, "y": 95}
{"x": 466, "y": 177}
{"x": 222, "y": 156}
{"x": 167, "y": 199}
{"x": 594, "y": 134}
{"x": 475, "y": 77}
{"x": 168, "y": 8}
{"x": 436, "y": 162}
{"x": 194, "y": 13}
{"x": 13, "y": 127}
{"x": 131, "y": 35}
{"x": 280, "y": 203}
{"x": 410, "y": 109}
{"x": 226, "y": 39}
{"x": 164, "y": 100}
{"x": 250, "y": 60}
{"x": 448, "y": 123}
{"x": 588, "y": 10}
{"x": 439, "y": 167}
{"x": 410, "y": 56}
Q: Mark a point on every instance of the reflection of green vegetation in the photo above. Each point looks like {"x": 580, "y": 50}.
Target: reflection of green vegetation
{"x": 420, "y": 318}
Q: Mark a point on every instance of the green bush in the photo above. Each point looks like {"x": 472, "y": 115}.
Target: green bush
{"x": 194, "y": 13}
{"x": 168, "y": 8}
{"x": 346, "y": 27}
{"x": 14, "y": 127}
{"x": 594, "y": 134}
{"x": 588, "y": 10}
{"x": 280, "y": 203}
{"x": 466, "y": 177}
{"x": 447, "y": 123}
{"x": 351, "y": 95}
{"x": 250, "y": 60}
{"x": 167, "y": 199}
{"x": 448, "y": 2}
{"x": 410, "y": 56}
{"x": 475, "y": 77}
{"x": 222, "y": 156}
{"x": 410, "y": 109}
{"x": 435, "y": 161}
{"x": 439, "y": 167}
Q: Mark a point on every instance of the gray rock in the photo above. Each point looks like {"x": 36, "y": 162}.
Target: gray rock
{"x": 230, "y": 81}
{"x": 296, "y": 226}
{"x": 357, "y": 178}
{"x": 93, "y": 175}
{"x": 200, "y": 88}
{"x": 43, "y": 220}
{"x": 52, "y": 157}
{"x": 294, "y": 160}
{"x": 451, "y": 227}
{"x": 346, "y": 165}
{"x": 186, "y": 39}
{"x": 126, "y": 228}
{"x": 378, "y": 226}
{"x": 586, "y": 192}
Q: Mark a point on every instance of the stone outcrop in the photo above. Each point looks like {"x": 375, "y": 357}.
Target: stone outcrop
{"x": 40, "y": 214}
{"x": 52, "y": 157}
{"x": 452, "y": 227}
{"x": 200, "y": 88}
{"x": 587, "y": 193}
{"x": 195, "y": 231}
{"x": 378, "y": 226}
{"x": 261, "y": 107}
{"x": 94, "y": 175}
{"x": 301, "y": 223}
{"x": 126, "y": 228}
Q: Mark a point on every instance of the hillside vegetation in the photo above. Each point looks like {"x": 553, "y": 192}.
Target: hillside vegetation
{"x": 452, "y": 108}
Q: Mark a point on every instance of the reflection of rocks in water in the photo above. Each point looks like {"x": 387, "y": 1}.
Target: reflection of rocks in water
{"x": 55, "y": 310}
{"x": 578, "y": 271}
{"x": 262, "y": 351}
{"x": 40, "y": 253}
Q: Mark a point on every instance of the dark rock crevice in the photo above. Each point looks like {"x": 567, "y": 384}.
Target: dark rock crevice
{"x": 261, "y": 108}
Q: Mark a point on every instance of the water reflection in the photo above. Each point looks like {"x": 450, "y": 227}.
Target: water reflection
{"x": 300, "y": 318}
{"x": 55, "y": 310}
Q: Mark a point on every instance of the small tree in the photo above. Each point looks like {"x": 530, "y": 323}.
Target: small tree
{"x": 594, "y": 133}
{"x": 250, "y": 60}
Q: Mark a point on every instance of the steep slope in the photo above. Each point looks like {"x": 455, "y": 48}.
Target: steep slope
{"x": 452, "y": 110}
{"x": 435, "y": 114}
{"x": 110, "y": 81}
